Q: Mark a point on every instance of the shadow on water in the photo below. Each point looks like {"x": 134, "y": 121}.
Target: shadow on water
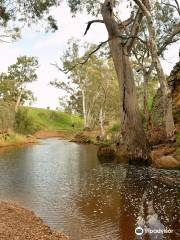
{"x": 66, "y": 185}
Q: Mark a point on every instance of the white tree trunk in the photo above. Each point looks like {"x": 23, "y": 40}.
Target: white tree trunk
{"x": 18, "y": 100}
{"x": 101, "y": 121}
{"x": 84, "y": 108}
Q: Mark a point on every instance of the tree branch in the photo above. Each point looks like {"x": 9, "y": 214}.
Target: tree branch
{"x": 91, "y": 22}
{"x": 170, "y": 40}
{"x": 127, "y": 22}
{"x": 86, "y": 58}
{"x": 178, "y": 8}
{"x": 173, "y": 6}
{"x": 134, "y": 31}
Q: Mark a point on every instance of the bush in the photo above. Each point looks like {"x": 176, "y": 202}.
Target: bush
{"x": 115, "y": 128}
{"x": 24, "y": 123}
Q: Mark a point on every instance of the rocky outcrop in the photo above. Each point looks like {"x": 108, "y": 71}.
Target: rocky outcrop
{"x": 174, "y": 82}
{"x": 157, "y": 132}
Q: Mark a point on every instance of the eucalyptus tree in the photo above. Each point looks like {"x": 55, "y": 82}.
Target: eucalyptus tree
{"x": 148, "y": 11}
{"x": 120, "y": 48}
{"x": 165, "y": 19}
{"x": 92, "y": 86}
{"x": 122, "y": 37}
{"x": 13, "y": 84}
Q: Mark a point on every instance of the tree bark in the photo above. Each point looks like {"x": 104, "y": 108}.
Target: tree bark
{"x": 132, "y": 127}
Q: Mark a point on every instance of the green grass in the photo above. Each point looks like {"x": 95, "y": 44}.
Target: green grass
{"x": 46, "y": 119}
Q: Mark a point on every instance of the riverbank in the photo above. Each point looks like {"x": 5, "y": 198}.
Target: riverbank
{"x": 13, "y": 139}
{"x": 42, "y": 134}
{"x": 20, "y": 223}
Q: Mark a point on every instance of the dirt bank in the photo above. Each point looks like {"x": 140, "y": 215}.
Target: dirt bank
{"x": 48, "y": 133}
{"x": 19, "y": 223}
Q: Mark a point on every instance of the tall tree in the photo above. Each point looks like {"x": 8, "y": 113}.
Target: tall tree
{"x": 167, "y": 99}
{"x": 122, "y": 37}
{"x": 92, "y": 83}
{"x": 13, "y": 84}
{"x": 132, "y": 127}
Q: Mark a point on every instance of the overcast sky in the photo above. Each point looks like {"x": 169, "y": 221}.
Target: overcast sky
{"x": 47, "y": 47}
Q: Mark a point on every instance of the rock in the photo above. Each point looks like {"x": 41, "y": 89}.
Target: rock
{"x": 81, "y": 138}
{"x": 167, "y": 162}
{"x": 161, "y": 150}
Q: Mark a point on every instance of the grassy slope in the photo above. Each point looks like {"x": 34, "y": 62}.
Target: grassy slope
{"x": 53, "y": 120}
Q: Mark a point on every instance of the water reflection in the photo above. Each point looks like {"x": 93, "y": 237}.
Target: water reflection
{"x": 67, "y": 186}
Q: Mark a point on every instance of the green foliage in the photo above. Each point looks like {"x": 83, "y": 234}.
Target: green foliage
{"x": 24, "y": 123}
{"x": 6, "y": 116}
{"x": 23, "y": 13}
{"x": 178, "y": 137}
{"x": 90, "y": 87}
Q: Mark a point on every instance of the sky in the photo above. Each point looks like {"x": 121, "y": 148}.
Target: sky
{"x": 48, "y": 47}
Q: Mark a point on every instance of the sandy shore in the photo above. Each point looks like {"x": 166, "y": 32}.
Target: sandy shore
{"x": 17, "y": 223}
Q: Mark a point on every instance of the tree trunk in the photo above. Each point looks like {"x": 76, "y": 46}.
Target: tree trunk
{"x": 101, "y": 121}
{"x": 145, "y": 97}
{"x": 132, "y": 127}
{"x": 85, "y": 112}
{"x": 19, "y": 100}
{"x": 167, "y": 99}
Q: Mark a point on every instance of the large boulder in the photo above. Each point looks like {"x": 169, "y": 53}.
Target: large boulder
{"x": 167, "y": 162}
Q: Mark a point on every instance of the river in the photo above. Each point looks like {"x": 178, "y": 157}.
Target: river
{"x": 66, "y": 185}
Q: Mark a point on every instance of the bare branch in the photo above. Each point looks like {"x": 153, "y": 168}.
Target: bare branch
{"x": 133, "y": 37}
{"x": 85, "y": 59}
{"x": 178, "y": 7}
{"x": 91, "y": 22}
{"x": 127, "y": 22}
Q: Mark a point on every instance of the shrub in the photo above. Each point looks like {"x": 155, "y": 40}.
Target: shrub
{"x": 24, "y": 123}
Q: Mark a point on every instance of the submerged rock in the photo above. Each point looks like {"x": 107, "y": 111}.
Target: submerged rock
{"x": 106, "y": 154}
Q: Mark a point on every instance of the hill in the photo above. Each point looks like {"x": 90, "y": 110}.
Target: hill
{"x": 52, "y": 120}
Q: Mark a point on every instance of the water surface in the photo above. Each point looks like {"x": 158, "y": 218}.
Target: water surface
{"x": 70, "y": 189}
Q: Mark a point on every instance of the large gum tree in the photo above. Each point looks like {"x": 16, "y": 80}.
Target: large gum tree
{"x": 132, "y": 128}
